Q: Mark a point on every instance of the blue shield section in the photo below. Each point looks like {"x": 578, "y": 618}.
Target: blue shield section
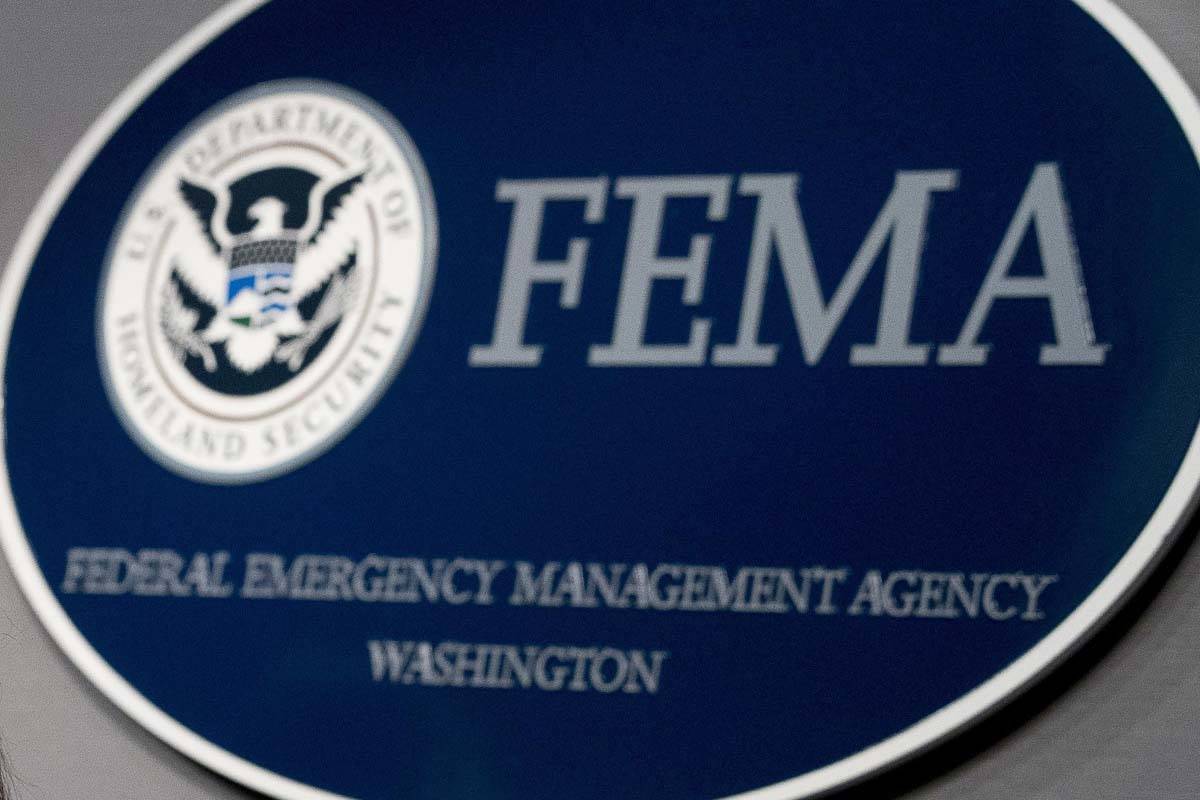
{"x": 272, "y": 282}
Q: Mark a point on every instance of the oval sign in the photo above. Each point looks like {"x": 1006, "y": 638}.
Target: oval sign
{"x": 797, "y": 384}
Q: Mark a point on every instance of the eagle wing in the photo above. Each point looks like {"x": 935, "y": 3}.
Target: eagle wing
{"x": 323, "y": 202}
{"x": 334, "y": 241}
{"x": 198, "y": 261}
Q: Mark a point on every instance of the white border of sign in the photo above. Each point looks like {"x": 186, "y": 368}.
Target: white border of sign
{"x": 1166, "y": 522}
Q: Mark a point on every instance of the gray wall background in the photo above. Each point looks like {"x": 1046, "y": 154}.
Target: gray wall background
{"x": 1127, "y": 729}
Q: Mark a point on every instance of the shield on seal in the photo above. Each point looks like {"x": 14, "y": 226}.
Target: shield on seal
{"x": 260, "y": 280}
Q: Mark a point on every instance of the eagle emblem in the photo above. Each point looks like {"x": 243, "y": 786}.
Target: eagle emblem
{"x": 267, "y": 295}
{"x": 266, "y": 281}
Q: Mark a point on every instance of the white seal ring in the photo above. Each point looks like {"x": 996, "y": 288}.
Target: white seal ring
{"x": 266, "y": 281}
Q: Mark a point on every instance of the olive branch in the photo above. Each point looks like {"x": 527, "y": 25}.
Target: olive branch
{"x": 178, "y": 323}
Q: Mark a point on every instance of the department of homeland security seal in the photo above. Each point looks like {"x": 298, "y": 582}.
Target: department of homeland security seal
{"x": 267, "y": 280}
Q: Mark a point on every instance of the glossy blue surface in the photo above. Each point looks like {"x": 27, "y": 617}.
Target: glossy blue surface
{"x": 1003, "y": 468}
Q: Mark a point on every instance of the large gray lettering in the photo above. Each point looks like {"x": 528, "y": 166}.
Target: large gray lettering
{"x": 779, "y": 227}
{"x": 1045, "y": 207}
{"x": 522, "y": 269}
{"x": 643, "y": 266}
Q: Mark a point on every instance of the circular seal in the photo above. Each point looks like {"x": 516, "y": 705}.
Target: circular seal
{"x": 799, "y": 386}
{"x": 266, "y": 281}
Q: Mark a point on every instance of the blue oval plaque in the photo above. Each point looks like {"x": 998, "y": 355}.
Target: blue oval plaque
{"x": 633, "y": 400}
